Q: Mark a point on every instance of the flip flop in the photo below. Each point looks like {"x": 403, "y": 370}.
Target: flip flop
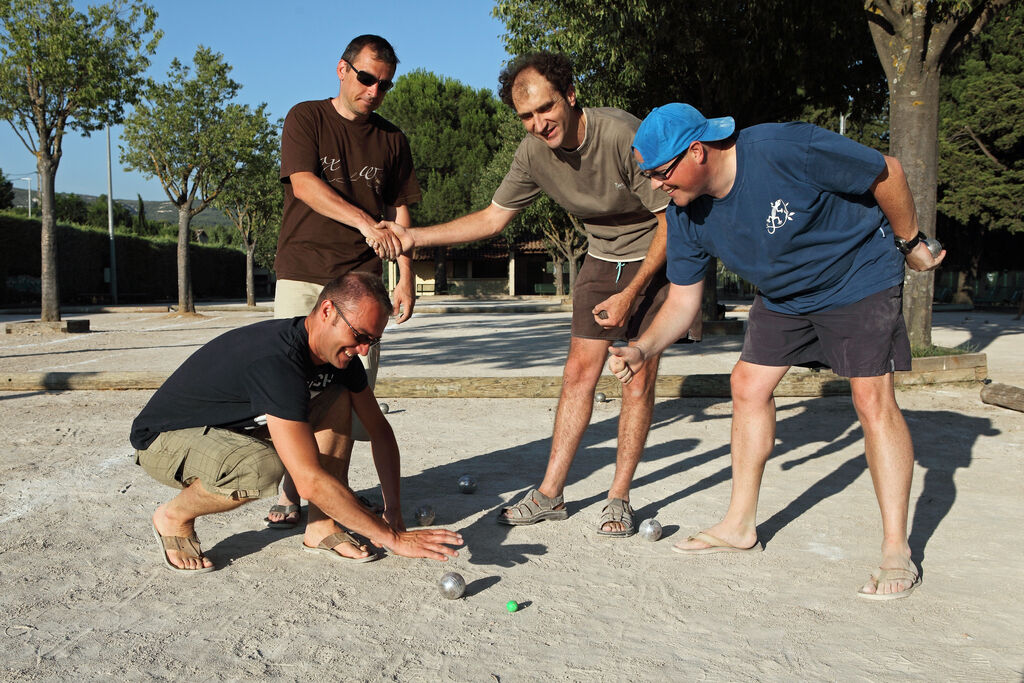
{"x": 283, "y": 523}
{"x": 189, "y": 547}
{"x": 716, "y": 544}
{"x": 326, "y": 547}
{"x": 617, "y": 510}
{"x": 882, "y": 574}
{"x": 534, "y": 507}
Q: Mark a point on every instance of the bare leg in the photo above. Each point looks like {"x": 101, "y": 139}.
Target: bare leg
{"x": 890, "y": 456}
{"x": 753, "y": 436}
{"x": 177, "y": 517}
{"x": 634, "y": 425}
{"x": 331, "y": 417}
{"x": 575, "y": 406}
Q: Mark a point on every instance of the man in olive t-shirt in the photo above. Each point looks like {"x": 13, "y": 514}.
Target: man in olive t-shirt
{"x": 343, "y": 168}
{"x": 582, "y": 158}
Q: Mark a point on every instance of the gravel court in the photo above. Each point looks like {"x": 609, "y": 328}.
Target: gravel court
{"x": 85, "y": 595}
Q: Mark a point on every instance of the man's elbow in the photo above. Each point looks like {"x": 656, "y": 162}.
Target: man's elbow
{"x": 308, "y": 486}
{"x": 893, "y": 169}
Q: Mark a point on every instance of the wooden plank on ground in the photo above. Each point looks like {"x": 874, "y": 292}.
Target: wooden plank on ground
{"x": 1003, "y": 395}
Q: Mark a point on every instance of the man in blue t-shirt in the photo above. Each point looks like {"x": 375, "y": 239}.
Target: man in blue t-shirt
{"x": 823, "y": 227}
{"x": 237, "y": 414}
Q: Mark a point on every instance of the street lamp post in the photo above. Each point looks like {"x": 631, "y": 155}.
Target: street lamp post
{"x": 28, "y": 181}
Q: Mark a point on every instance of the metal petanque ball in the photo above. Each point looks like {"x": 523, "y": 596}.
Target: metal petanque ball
{"x": 452, "y": 585}
{"x": 934, "y": 246}
{"x": 424, "y": 515}
{"x": 650, "y": 530}
{"x": 600, "y": 397}
{"x": 385, "y": 408}
{"x": 467, "y": 484}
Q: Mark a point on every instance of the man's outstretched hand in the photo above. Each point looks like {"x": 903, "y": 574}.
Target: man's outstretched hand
{"x": 624, "y": 362}
{"x": 432, "y": 544}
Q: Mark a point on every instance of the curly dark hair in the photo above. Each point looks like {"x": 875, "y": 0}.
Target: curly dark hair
{"x": 382, "y": 49}
{"x": 555, "y": 67}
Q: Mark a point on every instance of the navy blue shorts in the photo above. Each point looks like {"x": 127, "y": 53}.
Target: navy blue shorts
{"x": 867, "y": 338}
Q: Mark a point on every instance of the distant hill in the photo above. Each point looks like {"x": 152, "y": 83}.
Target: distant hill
{"x": 210, "y": 217}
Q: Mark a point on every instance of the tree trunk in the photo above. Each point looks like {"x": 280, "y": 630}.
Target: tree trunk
{"x": 440, "y": 270}
{"x": 559, "y": 284}
{"x": 185, "y": 302}
{"x": 914, "y": 119}
{"x": 250, "y": 274}
{"x": 572, "y": 275}
{"x": 913, "y": 128}
{"x": 49, "y": 303}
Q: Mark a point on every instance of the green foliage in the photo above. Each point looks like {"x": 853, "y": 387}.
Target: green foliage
{"x": 145, "y": 266}
{"x": 62, "y": 70}
{"x": 762, "y": 60}
{"x": 452, "y": 130}
{"x": 70, "y": 208}
{"x": 188, "y": 134}
{"x": 6, "y": 191}
{"x": 981, "y": 132}
{"x": 141, "y": 226}
{"x": 253, "y": 198}
{"x": 96, "y": 214}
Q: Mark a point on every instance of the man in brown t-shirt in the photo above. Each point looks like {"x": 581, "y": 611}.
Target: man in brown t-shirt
{"x": 344, "y": 168}
{"x": 582, "y": 158}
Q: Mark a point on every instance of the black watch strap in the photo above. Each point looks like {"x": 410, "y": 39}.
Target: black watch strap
{"x": 907, "y": 246}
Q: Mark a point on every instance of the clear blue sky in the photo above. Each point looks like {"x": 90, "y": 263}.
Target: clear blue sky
{"x": 282, "y": 53}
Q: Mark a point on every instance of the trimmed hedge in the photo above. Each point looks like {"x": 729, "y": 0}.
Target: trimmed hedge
{"x": 146, "y": 267}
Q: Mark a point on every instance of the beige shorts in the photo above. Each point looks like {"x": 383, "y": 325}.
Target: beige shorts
{"x": 293, "y": 298}
{"x": 227, "y": 463}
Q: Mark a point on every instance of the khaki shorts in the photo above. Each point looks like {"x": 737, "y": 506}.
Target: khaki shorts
{"x": 227, "y": 463}
{"x": 293, "y": 298}
{"x": 598, "y": 280}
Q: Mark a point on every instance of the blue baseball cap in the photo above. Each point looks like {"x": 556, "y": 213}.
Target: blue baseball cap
{"x": 671, "y": 129}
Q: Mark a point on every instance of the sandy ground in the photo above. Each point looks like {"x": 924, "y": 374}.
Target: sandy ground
{"x": 84, "y": 595}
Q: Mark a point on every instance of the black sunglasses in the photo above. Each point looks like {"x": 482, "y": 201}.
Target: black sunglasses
{"x": 369, "y": 80}
{"x": 361, "y": 337}
{"x": 651, "y": 174}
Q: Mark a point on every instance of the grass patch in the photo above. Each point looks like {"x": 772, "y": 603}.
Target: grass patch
{"x": 922, "y": 351}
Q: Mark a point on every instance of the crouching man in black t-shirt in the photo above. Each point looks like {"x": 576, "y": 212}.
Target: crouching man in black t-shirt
{"x": 238, "y": 413}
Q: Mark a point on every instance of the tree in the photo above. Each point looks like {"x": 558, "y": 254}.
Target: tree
{"x": 981, "y": 145}
{"x": 188, "y": 134}
{"x": 6, "y": 191}
{"x": 915, "y": 40}
{"x": 63, "y": 70}
{"x": 453, "y": 133}
{"x": 253, "y": 200}
{"x": 70, "y": 208}
{"x": 758, "y": 61}
{"x": 140, "y": 226}
{"x": 96, "y": 214}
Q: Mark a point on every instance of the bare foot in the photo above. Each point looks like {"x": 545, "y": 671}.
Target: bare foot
{"x": 276, "y": 517}
{"x": 166, "y": 526}
{"x": 903, "y": 578}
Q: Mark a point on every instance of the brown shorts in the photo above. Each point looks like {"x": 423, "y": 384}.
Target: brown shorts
{"x": 867, "y": 338}
{"x": 598, "y": 280}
